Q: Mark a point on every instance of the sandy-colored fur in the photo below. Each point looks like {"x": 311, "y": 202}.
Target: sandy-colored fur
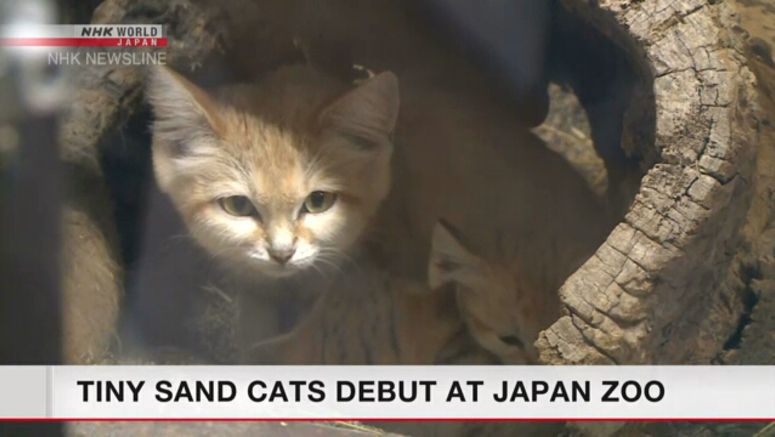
{"x": 462, "y": 152}
{"x": 368, "y": 317}
{"x": 521, "y": 207}
{"x": 528, "y": 217}
{"x": 523, "y": 211}
{"x": 461, "y": 158}
{"x": 502, "y": 311}
{"x": 275, "y": 143}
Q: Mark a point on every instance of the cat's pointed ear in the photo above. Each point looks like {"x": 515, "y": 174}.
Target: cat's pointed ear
{"x": 180, "y": 107}
{"x": 450, "y": 261}
{"x": 186, "y": 122}
{"x": 368, "y": 112}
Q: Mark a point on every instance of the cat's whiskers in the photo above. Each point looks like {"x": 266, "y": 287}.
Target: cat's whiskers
{"x": 336, "y": 255}
{"x": 330, "y": 264}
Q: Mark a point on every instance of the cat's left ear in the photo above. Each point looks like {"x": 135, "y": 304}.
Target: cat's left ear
{"x": 451, "y": 262}
{"x": 368, "y": 112}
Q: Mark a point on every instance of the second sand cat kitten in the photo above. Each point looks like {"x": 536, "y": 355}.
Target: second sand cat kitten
{"x": 502, "y": 311}
{"x": 276, "y": 177}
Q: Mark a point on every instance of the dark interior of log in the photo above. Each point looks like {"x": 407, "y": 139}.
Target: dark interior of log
{"x": 616, "y": 93}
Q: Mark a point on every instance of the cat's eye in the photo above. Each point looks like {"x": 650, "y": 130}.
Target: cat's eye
{"x": 319, "y": 201}
{"x": 239, "y": 206}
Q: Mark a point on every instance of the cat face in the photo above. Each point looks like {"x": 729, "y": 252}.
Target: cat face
{"x": 498, "y": 312}
{"x": 274, "y": 179}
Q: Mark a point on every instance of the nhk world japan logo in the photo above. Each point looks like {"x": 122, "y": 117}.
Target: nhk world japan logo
{"x": 89, "y": 35}
{"x": 91, "y": 44}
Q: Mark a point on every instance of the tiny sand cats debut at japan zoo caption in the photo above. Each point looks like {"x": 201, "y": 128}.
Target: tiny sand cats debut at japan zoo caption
{"x": 516, "y": 391}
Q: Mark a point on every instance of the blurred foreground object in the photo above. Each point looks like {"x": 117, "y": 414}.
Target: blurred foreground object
{"x": 30, "y": 196}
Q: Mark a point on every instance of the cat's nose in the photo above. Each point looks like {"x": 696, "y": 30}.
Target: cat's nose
{"x": 281, "y": 255}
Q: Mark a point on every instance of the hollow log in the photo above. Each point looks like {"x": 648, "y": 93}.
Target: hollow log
{"x": 668, "y": 284}
{"x": 672, "y": 282}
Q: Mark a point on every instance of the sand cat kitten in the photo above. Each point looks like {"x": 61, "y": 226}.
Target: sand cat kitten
{"x": 276, "y": 177}
{"x": 263, "y": 186}
{"x": 502, "y": 311}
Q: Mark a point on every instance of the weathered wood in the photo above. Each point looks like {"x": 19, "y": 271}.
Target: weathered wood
{"x": 640, "y": 298}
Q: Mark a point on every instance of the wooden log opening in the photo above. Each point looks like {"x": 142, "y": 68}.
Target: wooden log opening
{"x": 649, "y": 291}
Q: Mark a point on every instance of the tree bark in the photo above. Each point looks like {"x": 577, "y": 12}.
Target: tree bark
{"x": 660, "y": 288}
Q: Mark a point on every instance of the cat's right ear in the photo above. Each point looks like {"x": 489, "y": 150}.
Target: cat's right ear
{"x": 451, "y": 262}
{"x": 368, "y": 112}
{"x": 180, "y": 108}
